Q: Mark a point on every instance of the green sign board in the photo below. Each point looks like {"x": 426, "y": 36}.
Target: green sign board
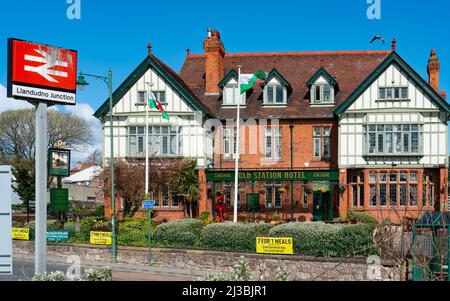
{"x": 274, "y": 175}
{"x": 59, "y": 199}
{"x": 57, "y": 236}
{"x": 253, "y": 202}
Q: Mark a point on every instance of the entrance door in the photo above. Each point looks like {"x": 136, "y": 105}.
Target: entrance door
{"x": 321, "y": 206}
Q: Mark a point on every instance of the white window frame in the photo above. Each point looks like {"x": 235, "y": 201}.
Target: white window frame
{"x": 273, "y": 134}
{"x": 232, "y": 103}
{"x": 390, "y": 90}
{"x": 139, "y": 102}
{"x": 275, "y": 101}
{"x": 321, "y": 100}
{"x": 229, "y": 137}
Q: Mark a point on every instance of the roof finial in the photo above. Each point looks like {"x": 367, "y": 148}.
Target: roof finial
{"x": 149, "y": 47}
{"x": 394, "y": 44}
{"x": 188, "y": 51}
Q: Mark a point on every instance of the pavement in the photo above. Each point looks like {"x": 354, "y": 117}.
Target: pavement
{"x": 23, "y": 270}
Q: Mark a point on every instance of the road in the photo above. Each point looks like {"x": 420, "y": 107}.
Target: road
{"x": 23, "y": 269}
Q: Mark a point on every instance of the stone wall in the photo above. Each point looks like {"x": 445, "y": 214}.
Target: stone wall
{"x": 299, "y": 267}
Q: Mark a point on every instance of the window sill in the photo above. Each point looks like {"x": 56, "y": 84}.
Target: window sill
{"x": 270, "y": 106}
{"x": 390, "y": 100}
{"x": 327, "y": 104}
{"x": 233, "y": 106}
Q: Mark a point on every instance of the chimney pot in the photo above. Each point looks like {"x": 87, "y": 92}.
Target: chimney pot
{"x": 433, "y": 70}
{"x": 394, "y": 44}
{"x": 149, "y": 47}
{"x": 214, "y": 65}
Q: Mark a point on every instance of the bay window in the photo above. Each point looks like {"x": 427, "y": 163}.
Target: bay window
{"x": 162, "y": 141}
{"x": 393, "y": 139}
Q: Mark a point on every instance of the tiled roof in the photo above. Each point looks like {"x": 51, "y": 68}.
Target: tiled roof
{"x": 349, "y": 68}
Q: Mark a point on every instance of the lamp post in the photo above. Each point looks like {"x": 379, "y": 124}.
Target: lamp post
{"x": 81, "y": 83}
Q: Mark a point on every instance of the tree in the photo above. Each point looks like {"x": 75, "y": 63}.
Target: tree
{"x": 186, "y": 183}
{"x": 95, "y": 158}
{"x": 17, "y": 132}
{"x": 23, "y": 182}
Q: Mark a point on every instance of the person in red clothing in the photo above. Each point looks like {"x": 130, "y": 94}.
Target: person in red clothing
{"x": 220, "y": 208}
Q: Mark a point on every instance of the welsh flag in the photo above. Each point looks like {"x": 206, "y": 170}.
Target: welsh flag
{"x": 155, "y": 104}
{"x": 248, "y": 81}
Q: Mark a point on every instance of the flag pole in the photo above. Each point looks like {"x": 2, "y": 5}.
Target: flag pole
{"x": 237, "y": 155}
{"x": 147, "y": 105}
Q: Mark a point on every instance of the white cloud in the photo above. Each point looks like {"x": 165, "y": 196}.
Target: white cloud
{"x": 86, "y": 112}
{"x": 11, "y": 104}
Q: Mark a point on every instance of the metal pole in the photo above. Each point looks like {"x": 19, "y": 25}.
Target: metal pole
{"x": 149, "y": 259}
{"x": 146, "y": 148}
{"x": 291, "y": 127}
{"x": 236, "y": 172}
{"x": 113, "y": 195}
{"x": 41, "y": 189}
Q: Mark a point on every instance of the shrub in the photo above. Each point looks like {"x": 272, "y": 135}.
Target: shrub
{"x": 100, "y": 211}
{"x": 70, "y": 227}
{"x": 56, "y": 225}
{"x": 233, "y": 237}
{"x": 363, "y": 218}
{"x": 17, "y": 224}
{"x": 204, "y": 216}
{"x": 319, "y": 239}
{"x": 179, "y": 233}
{"x": 90, "y": 223}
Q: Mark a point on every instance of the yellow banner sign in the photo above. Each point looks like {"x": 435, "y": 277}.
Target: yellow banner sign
{"x": 275, "y": 245}
{"x": 21, "y": 233}
{"x": 100, "y": 238}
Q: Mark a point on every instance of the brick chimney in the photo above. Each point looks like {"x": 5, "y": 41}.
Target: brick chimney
{"x": 433, "y": 70}
{"x": 433, "y": 73}
{"x": 214, "y": 66}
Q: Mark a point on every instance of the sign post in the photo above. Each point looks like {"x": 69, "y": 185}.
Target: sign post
{"x": 42, "y": 75}
{"x": 6, "y": 267}
{"x": 149, "y": 205}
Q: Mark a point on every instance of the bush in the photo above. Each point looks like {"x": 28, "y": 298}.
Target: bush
{"x": 233, "y": 237}
{"x": 363, "y": 218}
{"x": 56, "y": 225}
{"x": 87, "y": 224}
{"x": 319, "y": 239}
{"x": 70, "y": 227}
{"x": 100, "y": 211}
{"x": 179, "y": 233}
{"x": 204, "y": 216}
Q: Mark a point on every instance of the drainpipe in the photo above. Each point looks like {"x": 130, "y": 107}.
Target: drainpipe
{"x": 291, "y": 127}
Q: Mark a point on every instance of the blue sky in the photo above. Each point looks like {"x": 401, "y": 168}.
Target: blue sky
{"x": 115, "y": 33}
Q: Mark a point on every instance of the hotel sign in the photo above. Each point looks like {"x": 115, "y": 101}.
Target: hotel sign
{"x": 38, "y": 72}
{"x": 274, "y": 175}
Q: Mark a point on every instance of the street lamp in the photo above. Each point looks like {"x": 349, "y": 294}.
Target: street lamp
{"x": 81, "y": 84}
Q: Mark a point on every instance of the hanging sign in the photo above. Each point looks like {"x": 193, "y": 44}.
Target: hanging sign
{"x": 59, "y": 162}
{"x": 39, "y": 72}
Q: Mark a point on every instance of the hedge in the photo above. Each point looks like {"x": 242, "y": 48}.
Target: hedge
{"x": 328, "y": 240}
{"x": 362, "y": 217}
{"x": 179, "y": 233}
{"x": 233, "y": 237}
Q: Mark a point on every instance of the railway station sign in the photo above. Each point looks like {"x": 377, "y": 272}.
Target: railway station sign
{"x": 39, "y": 72}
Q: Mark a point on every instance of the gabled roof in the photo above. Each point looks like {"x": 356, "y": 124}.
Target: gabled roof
{"x": 394, "y": 58}
{"x": 275, "y": 74}
{"x": 86, "y": 175}
{"x": 325, "y": 74}
{"x": 230, "y": 74}
{"x": 163, "y": 71}
{"x": 350, "y": 68}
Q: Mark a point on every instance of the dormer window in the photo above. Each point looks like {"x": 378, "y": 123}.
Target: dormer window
{"x": 274, "y": 94}
{"x": 323, "y": 87}
{"x": 322, "y": 93}
{"x": 231, "y": 94}
{"x": 276, "y": 89}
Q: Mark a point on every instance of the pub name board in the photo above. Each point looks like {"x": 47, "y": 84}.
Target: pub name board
{"x": 274, "y": 175}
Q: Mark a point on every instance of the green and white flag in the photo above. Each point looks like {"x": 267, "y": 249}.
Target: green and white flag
{"x": 248, "y": 81}
{"x": 155, "y": 104}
